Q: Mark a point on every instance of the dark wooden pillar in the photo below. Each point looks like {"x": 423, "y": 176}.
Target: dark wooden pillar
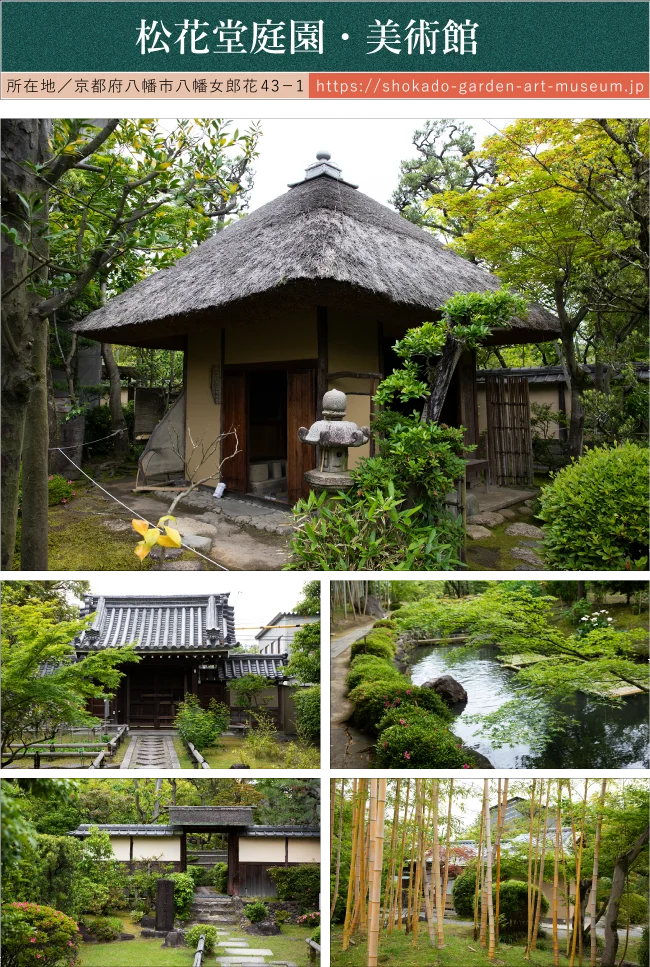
{"x": 195, "y": 680}
{"x": 233, "y": 863}
{"x": 323, "y": 358}
{"x": 561, "y": 405}
{"x": 183, "y": 852}
{"x": 128, "y": 698}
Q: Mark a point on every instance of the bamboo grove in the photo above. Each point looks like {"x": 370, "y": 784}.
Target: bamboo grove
{"x": 396, "y": 843}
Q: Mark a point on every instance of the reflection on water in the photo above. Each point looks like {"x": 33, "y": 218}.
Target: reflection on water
{"x": 602, "y": 738}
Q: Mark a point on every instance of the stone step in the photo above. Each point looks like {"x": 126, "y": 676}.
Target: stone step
{"x": 233, "y": 943}
{"x": 240, "y": 961}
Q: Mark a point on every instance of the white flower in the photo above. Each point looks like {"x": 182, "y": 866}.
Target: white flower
{"x": 610, "y": 619}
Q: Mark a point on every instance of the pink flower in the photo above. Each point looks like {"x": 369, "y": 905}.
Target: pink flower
{"x": 466, "y": 766}
{"x": 407, "y": 755}
{"x": 402, "y": 721}
{"x": 69, "y": 483}
{"x": 385, "y": 745}
{"x": 64, "y": 500}
{"x": 33, "y": 940}
{"x": 408, "y": 691}
{"x": 386, "y": 704}
{"x": 74, "y": 493}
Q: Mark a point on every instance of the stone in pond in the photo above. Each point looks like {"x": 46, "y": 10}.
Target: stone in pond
{"x": 476, "y": 532}
{"x": 508, "y": 513}
{"x": 524, "y": 530}
{"x": 527, "y": 555}
{"x": 489, "y": 518}
{"x": 524, "y": 511}
{"x": 449, "y": 690}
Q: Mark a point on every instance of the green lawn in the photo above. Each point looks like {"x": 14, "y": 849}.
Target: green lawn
{"x": 74, "y": 761}
{"x": 460, "y": 950}
{"x": 289, "y": 945}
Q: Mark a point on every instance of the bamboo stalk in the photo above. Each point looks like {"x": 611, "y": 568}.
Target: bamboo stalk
{"x": 503, "y": 802}
{"x": 594, "y": 878}
{"x": 390, "y": 881}
{"x": 538, "y": 908}
{"x": 417, "y": 891}
{"x": 488, "y": 871}
{"x": 428, "y": 893}
{"x": 479, "y": 869}
{"x": 377, "y": 864}
{"x": 556, "y": 877}
{"x": 351, "y": 878}
{"x": 530, "y": 870}
{"x": 439, "y": 899}
{"x": 577, "y": 932}
{"x": 399, "y": 901}
{"x": 447, "y": 848}
{"x": 337, "y": 879}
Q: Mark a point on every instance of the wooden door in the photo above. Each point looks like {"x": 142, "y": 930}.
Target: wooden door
{"x": 235, "y": 416}
{"x": 301, "y": 411}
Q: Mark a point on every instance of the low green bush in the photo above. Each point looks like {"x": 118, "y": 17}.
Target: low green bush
{"x": 513, "y": 902}
{"x": 194, "y": 934}
{"x": 644, "y": 948}
{"x": 427, "y": 744}
{"x": 256, "y": 912}
{"x": 103, "y": 929}
{"x": 371, "y": 668}
{"x": 372, "y": 700}
{"x": 183, "y": 894}
{"x": 385, "y": 623}
{"x": 202, "y": 727}
{"x": 634, "y": 906}
{"x": 59, "y": 490}
{"x": 381, "y": 649}
{"x": 404, "y": 714}
{"x": 316, "y": 935}
{"x": 30, "y": 929}
{"x": 218, "y": 877}
{"x": 301, "y": 883}
{"x": 307, "y": 705}
{"x": 595, "y": 511}
{"x": 199, "y": 874}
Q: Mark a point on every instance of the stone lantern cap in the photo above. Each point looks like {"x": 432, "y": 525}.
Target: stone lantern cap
{"x": 333, "y": 430}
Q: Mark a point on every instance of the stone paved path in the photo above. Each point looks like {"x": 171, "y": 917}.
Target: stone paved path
{"x": 238, "y": 952}
{"x": 151, "y": 750}
{"x": 349, "y": 748}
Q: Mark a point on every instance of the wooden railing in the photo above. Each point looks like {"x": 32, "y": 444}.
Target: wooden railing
{"x": 198, "y": 956}
{"x": 198, "y": 761}
{"x": 313, "y": 950}
{"x": 67, "y": 750}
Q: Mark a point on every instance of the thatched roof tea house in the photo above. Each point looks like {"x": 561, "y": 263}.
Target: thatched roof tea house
{"x": 306, "y": 293}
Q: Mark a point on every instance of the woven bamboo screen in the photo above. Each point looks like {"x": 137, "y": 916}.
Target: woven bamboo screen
{"x": 510, "y": 444}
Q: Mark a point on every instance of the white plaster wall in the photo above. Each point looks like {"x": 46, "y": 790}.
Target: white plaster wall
{"x": 253, "y": 849}
{"x": 167, "y": 849}
{"x": 304, "y": 850}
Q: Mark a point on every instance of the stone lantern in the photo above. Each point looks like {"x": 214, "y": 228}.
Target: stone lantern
{"x": 333, "y": 435}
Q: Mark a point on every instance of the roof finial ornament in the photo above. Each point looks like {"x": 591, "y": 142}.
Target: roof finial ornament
{"x": 323, "y": 155}
{"x": 323, "y": 165}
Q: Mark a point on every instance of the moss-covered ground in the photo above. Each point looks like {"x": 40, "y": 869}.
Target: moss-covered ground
{"x": 493, "y": 553}
{"x": 460, "y": 950}
{"x": 73, "y": 761}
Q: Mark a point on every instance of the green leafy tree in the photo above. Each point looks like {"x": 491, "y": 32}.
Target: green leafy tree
{"x": 88, "y": 212}
{"x": 44, "y": 688}
{"x": 289, "y": 801}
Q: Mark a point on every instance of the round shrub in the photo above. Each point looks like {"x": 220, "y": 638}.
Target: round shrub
{"x": 385, "y": 623}
{"x": 307, "y": 703}
{"x": 30, "y": 929}
{"x": 218, "y": 877}
{"x": 373, "y": 699}
{"x": 644, "y": 948}
{"x": 513, "y": 901}
{"x": 199, "y": 874}
{"x": 371, "y": 668}
{"x": 183, "y": 894}
{"x": 316, "y": 935}
{"x": 425, "y": 745}
{"x": 103, "y": 929}
{"x": 256, "y": 912}
{"x": 378, "y": 644}
{"x": 59, "y": 490}
{"x": 406, "y": 714}
{"x": 595, "y": 511}
{"x": 300, "y": 883}
{"x": 194, "y": 934}
{"x": 636, "y": 905}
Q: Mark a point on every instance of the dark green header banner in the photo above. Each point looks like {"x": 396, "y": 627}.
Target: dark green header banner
{"x": 311, "y": 37}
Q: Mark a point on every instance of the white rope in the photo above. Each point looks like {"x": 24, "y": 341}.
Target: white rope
{"x": 134, "y": 512}
{"x": 92, "y": 442}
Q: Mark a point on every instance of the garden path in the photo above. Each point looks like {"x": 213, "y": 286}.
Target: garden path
{"x": 151, "y": 750}
{"x": 349, "y": 748}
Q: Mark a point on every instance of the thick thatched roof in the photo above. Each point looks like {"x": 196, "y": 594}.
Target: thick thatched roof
{"x": 321, "y": 243}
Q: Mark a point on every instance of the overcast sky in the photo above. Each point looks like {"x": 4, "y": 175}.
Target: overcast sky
{"x": 368, "y": 150}
{"x": 256, "y": 599}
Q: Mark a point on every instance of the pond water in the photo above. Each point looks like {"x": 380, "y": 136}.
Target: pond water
{"x": 603, "y": 738}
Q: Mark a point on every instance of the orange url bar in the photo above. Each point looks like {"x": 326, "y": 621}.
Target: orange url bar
{"x": 519, "y": 84}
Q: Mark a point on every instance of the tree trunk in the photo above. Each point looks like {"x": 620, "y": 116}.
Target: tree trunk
{"x": 53, "y": 425}
{"x": 115, "y": 401}
{"x": 25, "y": 140}
{"x": 440, "y": 380}
{"x": 33, "y": 543}
{"x": 576, "y": 422}
{"x": 621, "y": 869}
{"x": 556, "y": 876}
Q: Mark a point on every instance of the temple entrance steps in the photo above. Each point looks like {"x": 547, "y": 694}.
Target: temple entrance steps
{"x": 214, "y": 909}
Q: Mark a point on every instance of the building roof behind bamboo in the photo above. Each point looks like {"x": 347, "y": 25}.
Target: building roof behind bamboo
{"x": 322, "y": 242}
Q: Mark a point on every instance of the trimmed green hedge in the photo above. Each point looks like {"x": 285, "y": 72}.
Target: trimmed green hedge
{"x": 301, "y": 883}
{"x": 372, "y": 668}
{"x": 103, "y": 929}
{"x": 218, "y": 877}
{"x": 513, "y": 902}
{"x": 378, "y": 647}
{"x": 411, "y": 714}
{"x": 372, "y": 700}
{"x": 427, "y": 744}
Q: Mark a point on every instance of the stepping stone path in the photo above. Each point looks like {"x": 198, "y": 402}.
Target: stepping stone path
{"x": 151, "y": 750}
{"x": 214, "y": 908}
{"x": 527, "y": 550}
